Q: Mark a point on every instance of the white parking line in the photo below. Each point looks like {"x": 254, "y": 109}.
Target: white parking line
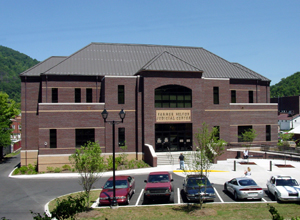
{"x": 264, "y": 200}
{"x": 178, "y": 192}
{"x": 138, "y": 200}
{"x": 218, "y": 195}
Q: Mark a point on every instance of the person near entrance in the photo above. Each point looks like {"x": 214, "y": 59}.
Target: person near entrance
{"x": 181, "y": 161}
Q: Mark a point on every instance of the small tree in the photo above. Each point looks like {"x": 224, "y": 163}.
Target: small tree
{"x": 248, "y": 137}
{"x": 8, "y": 110}
{"x": 90, "y": 164}
{"x": 209, "y": 148}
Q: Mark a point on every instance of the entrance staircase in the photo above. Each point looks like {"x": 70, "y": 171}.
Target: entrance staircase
{"x": 170, "y": 158}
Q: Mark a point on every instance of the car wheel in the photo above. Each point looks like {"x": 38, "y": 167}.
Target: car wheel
{"x": 225, "y": 187}
{"x": 145, "y": 200}
{"x": 236, "y": 198}
{"x": 276, "y": 197}
{"x": 171, "y": 199}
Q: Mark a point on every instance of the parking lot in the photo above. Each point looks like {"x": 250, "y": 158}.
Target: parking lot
{"x": 220, "y": 173}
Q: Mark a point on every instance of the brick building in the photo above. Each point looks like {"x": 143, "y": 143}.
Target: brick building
{"x": 167, "y": 92}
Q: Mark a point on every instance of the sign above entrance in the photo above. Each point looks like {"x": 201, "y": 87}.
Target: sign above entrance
{"x": 173, "y": 115}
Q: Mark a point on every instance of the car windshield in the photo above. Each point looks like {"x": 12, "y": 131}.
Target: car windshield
{"x": 161, "y": 178}
{"x": 120, "y": 184}
{"x": 286, "y": 182}
{"x": 192, "y": 182}
{"x": 247, "y": 182}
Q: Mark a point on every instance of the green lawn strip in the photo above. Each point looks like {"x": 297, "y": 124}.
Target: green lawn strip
{"x": 12, "y": 154}
{"x": 94, "y": 194}
{"x": 209, "y": 211}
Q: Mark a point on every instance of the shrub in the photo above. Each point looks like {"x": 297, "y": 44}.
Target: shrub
{"x": 110, "y": 163}
{"x": 57, "y": 170}
{"x": 66, "y": 167}
{"x": 67, "y": 208}
{"x": 50, "y": 169}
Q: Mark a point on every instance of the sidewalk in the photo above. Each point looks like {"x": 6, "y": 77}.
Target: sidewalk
{"x": 221, "y": 172}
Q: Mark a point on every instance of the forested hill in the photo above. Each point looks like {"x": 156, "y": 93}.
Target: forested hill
{"x": 12, "y": 63}
{"x": 289, "y": 86}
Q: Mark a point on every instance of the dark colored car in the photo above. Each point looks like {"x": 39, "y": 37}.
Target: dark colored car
{"x": 125, "y": 188}
{"x": 159, "y": 186}
{"x": 194, "y": 185}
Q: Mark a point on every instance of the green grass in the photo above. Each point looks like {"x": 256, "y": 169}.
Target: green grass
{"x": 94, "y": 194}
{"x": 208, "y": 212}
{"x": 12, "y": 154}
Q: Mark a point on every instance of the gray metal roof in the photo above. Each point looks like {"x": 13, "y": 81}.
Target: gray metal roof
{"x": 168, "y": 62}
{"x": 251, "y": 71}
{"x": 43, "y": 66}
{"x": 128, "y": 59}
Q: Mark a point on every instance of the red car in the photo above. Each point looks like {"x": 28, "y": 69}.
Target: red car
{"x": 125, "y": 188}
{"x": 159, "y": 186}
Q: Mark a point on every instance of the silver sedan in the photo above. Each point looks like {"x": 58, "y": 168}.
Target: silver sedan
{"x": 244, "y": 188}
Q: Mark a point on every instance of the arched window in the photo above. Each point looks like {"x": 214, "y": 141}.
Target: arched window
{"x": 173, "y": 96}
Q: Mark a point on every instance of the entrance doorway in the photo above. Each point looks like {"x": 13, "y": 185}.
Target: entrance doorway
{"x": 173, "y": 137}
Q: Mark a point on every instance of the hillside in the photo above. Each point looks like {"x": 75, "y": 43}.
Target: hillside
{"x": 12, "y": 63}
{"x": 289, "y": 86}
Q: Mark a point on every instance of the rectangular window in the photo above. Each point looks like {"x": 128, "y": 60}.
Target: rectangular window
{"x": 121, "y": 94}
{"x": 242, "y": 129}
{"x": 233, "y": 96}
{"x": 268, "y": 132}
{"x": 89, "y": 95}
{"x": 217, "y": 134}
{"x": 216, "y": 95}
{"x": 54, "y": 95}
{"x": 53, "y": 138}
{"x": 83, "y": 136}
{"x": 77, "y": 95}
{"x": 250, "y": 96}
{"x": 121, "y": 132}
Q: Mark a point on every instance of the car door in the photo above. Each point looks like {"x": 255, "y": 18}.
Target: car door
{"x": 271, "y": 185}
{"x": 232, "y": 184}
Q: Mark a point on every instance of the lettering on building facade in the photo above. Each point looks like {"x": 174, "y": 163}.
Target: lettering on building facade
{"x": 173, "y": 115}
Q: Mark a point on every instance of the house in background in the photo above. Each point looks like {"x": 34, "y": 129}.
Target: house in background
{"x": 167, "y": 93}
{"x": 287, "y": 121}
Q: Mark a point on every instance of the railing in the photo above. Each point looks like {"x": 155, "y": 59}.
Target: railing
{"x": 170, "y": 156}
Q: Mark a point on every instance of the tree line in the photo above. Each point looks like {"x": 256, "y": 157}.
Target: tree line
{"x": 12, "y": 63}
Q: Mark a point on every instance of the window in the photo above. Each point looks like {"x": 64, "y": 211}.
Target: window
{"x": 77, "y": 95}
{"x": 250, "y": 96}
{"x": 84, "y": 135}
{"x": 173, "y": 96}
{"x": 242, "y": 129}
{"x": 89, "y": 95}
{"x": 53, "y": 138}
{"x": 217, "y": 134}
{"x": 268, "y": 132}
{"x": 121, "y": 137}
{"x": 216, "y": 95}
{"x": 54, "y": 95}
{"x": 233, "y": 96}
{"x": 121, "y": 94}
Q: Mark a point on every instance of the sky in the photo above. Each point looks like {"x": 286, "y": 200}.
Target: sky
{"x": 263, "y": 35}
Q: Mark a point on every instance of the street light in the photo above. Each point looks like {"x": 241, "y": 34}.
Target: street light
{"x": 113, "y": 123}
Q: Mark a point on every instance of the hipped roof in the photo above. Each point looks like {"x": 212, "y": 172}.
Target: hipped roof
{"x": 105, "y": 59}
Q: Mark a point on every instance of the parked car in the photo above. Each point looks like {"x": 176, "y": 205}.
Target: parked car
{"x": 194, "y": 185}
{"x": 284, "y": 188}
{"x": 159, "y": 186}
{"x": 244, "y": 188}
{"x": 125, "y": 188}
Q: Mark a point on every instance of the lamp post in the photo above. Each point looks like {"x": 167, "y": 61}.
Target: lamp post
{"x": 113, "y": 123}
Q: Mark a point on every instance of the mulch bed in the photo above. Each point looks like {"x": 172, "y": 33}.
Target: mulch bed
{"x": 284, "y": 166}
{"x": 247, "y": 163}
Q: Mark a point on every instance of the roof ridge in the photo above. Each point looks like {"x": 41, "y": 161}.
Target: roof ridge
{"x": 248, "y": 70}
{"x": 155, "y": 58}
{"x": 67, "y": 57}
